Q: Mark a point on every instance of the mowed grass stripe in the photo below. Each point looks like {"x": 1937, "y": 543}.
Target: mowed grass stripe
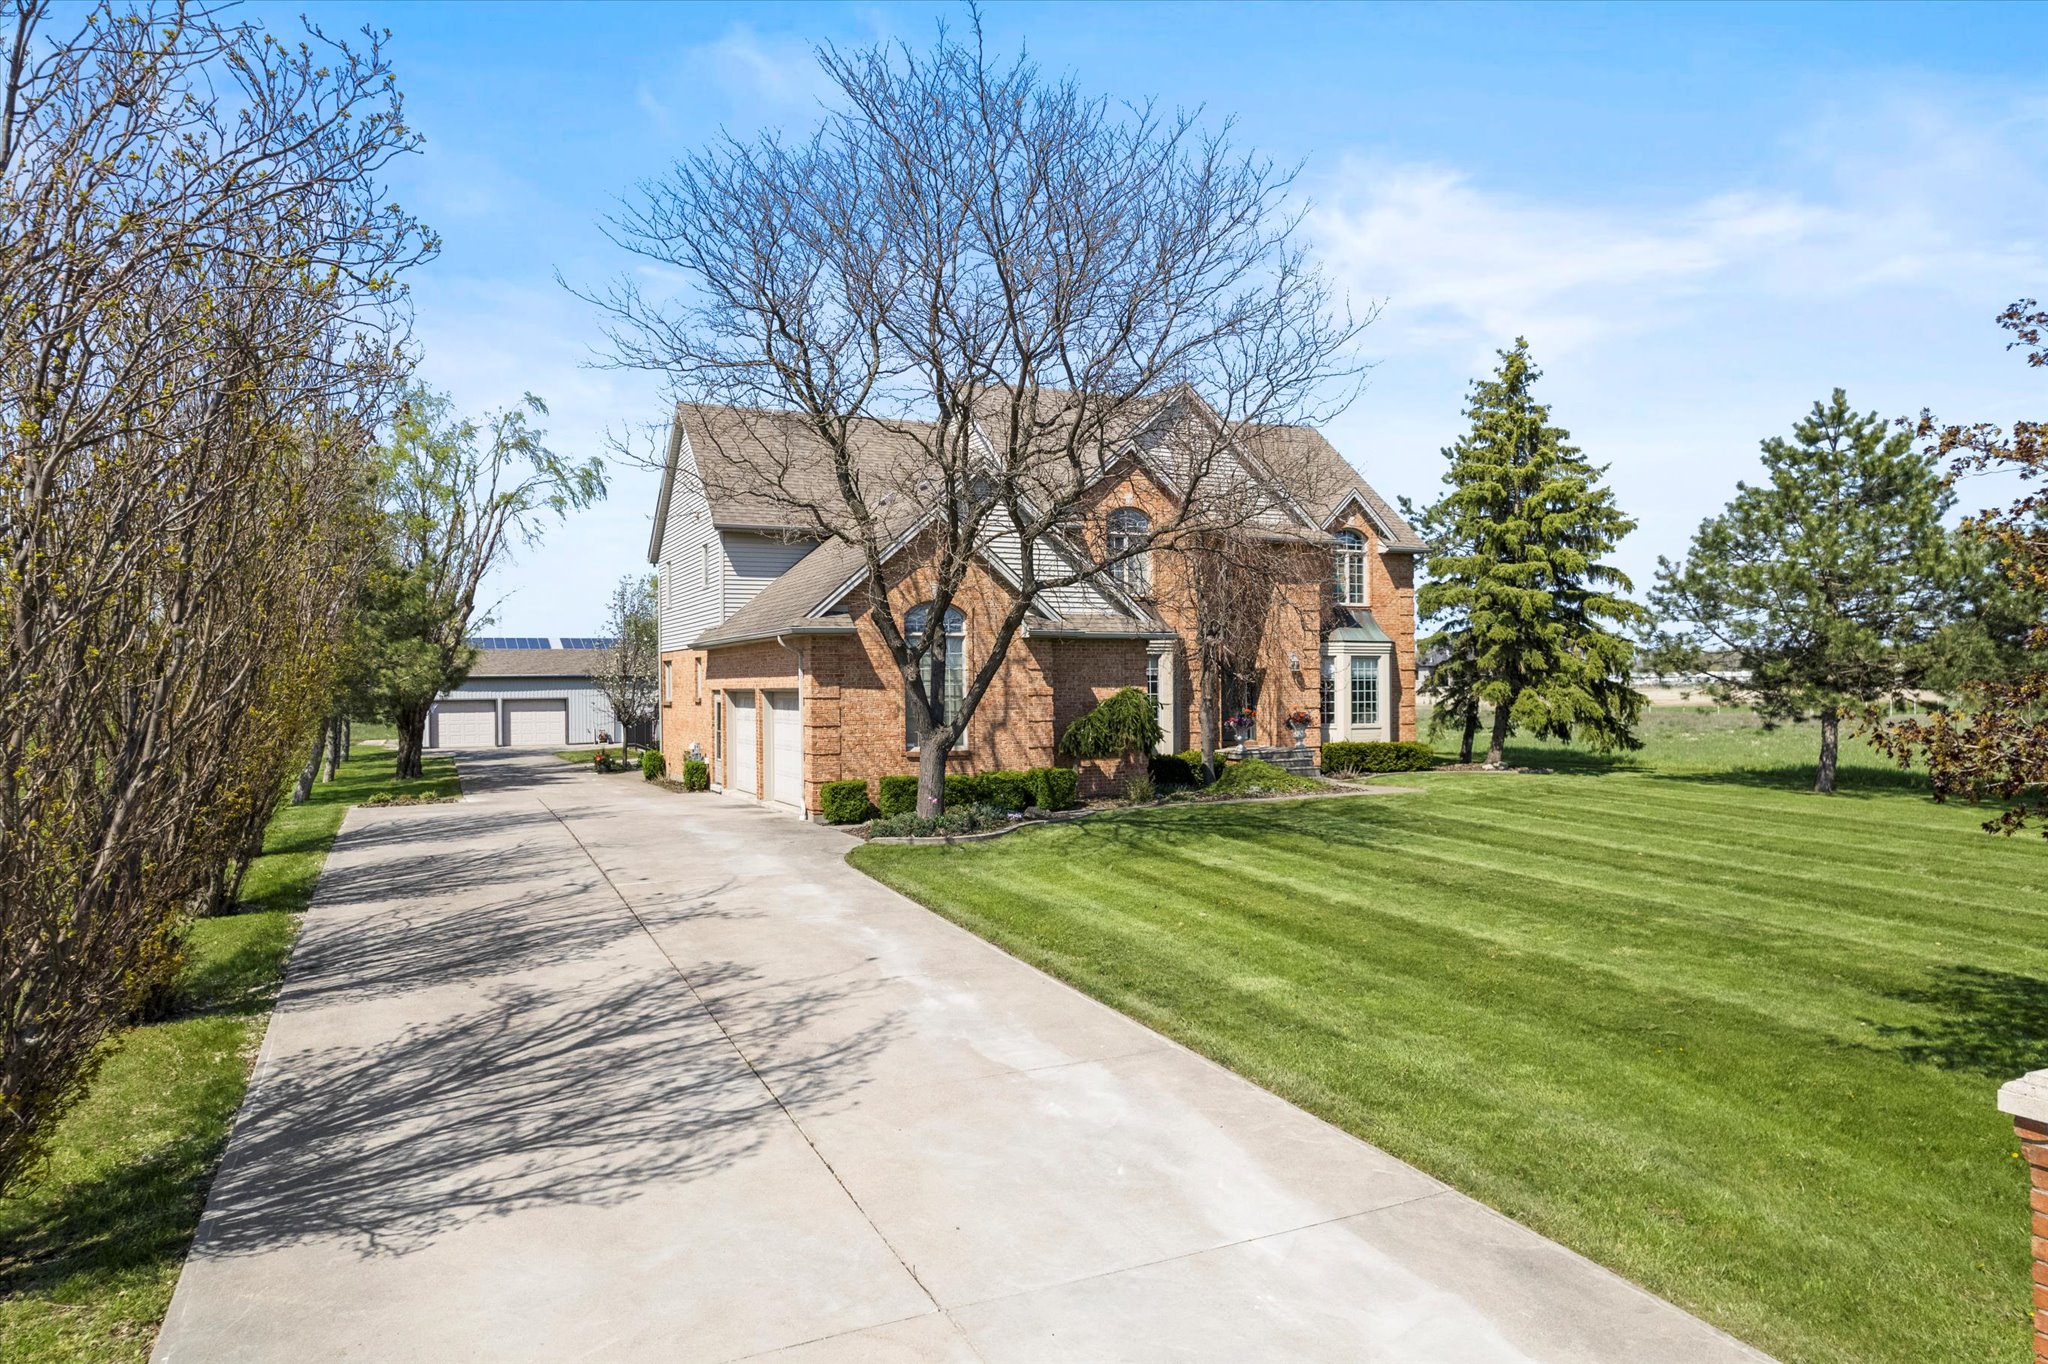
{"x": 1702, "y": 1071}
{"x": 1954, "y": 854}
{"x": 1850, "y": 891}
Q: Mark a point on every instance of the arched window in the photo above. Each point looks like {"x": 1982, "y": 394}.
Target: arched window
{"x": 1350, "y": 568}
{"x": 1129, "y": 529}
{"x": 945, "y": 668}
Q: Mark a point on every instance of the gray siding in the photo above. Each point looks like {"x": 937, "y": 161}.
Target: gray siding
{"x": 689, "y": 608}
{"x": 1076, "y": 599}
{"x": 752, "y": 561}
{"x": 589, "y": 712}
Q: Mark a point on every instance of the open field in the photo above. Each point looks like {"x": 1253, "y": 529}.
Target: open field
{"x": 91, "y": 1245}
{"x": 1734, "y": 1040}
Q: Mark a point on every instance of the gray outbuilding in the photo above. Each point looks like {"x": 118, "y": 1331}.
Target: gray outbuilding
{"x": 526, "y": 693}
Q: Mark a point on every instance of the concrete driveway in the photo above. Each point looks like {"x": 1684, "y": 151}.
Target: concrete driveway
{"x": 578, "y": 1069}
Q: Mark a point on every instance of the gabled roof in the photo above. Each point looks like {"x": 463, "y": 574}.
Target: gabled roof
{"x": 1338, "y": 485}
{"x": 732, "y": 452}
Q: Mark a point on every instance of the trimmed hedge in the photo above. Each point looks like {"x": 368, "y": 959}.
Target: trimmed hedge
{"x": 1055, "y": 788}
{"x": 652, "y": 764}
{"x": 1405, "y": 756}
{"x": 696, "y": 775}
{"x": 844, "y": 802}
{"x": 1173, "y": 769}
{"x": 896, "y": 796}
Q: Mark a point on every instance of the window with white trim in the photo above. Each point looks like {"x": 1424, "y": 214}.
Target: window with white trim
{"x": 1129, "y": 529}
{"x": 697, "y": 687}
{"x": 946, "y": 669}
{"x": 1365, "y": 690}
{"x": 1350, "y": 568}
{"x": 1329, "y": 692}
{"x": 707, "y": 565}
{"x": 668, "y": 680}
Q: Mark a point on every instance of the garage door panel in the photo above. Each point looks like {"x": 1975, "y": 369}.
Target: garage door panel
{"x": 466, "y": 724}
{"x": 740, "y": 746}
{"x": 786, "y": 749}
{"x": 538, "y": 722}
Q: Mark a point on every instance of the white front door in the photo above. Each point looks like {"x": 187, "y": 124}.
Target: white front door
{"x": 785, "y": 749}
{"x": 465, "y": 724}
{"x": 739, "y": 745}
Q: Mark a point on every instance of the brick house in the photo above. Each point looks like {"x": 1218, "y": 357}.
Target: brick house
{"x": 773, "y": 671}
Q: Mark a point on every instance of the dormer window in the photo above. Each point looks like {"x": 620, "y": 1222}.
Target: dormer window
{"x": 1350, "y": 568}
{"x": 1129, "y": 529}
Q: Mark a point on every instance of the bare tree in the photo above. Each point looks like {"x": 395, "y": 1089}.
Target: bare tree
{"x": 629, "y": 676}
{"x": 979, "y": 291}
{"x": 456, "y": 499}
{"x": 1231, "y": 587}
{"x": 199, "y": 324}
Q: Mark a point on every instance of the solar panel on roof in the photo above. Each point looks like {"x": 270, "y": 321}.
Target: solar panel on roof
{"x": 586, "y": 642}
{"x": 511, "y": 642}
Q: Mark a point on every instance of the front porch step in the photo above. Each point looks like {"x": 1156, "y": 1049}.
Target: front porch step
{"x": 1298, "y": 760}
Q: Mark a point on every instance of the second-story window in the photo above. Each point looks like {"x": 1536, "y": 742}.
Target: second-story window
{"x": 707, "y": 565}
{"x": 1129, "y": 529}
{"x": 1350, "y": 568}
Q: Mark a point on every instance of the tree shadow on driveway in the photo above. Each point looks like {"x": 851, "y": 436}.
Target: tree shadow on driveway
{"x": 539, "y": 1098}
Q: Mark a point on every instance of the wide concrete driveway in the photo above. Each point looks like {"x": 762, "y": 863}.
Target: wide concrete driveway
{"x": 578, "y": 1069}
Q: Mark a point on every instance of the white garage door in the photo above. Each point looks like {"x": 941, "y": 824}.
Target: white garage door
{"x": 739, "y": 744}
{"x": 466, "y": 724}
{"x": 537, "y": 722}
{"x": 785, "y": 750}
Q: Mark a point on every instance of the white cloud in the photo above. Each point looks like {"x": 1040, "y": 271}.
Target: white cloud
{"x": 1869, "y": 249}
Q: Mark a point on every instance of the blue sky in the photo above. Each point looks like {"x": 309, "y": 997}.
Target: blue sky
{"x": 1702, "y": 217}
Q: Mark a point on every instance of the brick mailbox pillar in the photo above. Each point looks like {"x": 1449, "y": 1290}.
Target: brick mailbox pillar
{"x": 2026, "y": 1100}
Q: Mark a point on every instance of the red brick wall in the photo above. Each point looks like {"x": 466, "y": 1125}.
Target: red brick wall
{"x": 853, "y": 700}
{"x": 1390, "y": 594}
{"x": 766, "y": 666}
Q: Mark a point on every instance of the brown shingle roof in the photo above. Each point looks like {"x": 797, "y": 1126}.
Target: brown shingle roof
{"x": 538, "y": 662}
{"x": 1333, "y": 480}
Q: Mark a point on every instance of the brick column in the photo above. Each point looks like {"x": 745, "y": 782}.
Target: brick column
{"x": 2026, "y": 1101}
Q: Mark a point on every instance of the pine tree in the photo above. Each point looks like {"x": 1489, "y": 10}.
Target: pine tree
{"x": 1817, "y": 592}
{"x": 1517, "y": 591}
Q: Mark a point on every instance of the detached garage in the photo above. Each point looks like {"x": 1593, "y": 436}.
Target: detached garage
{"x": 527, "y": 692}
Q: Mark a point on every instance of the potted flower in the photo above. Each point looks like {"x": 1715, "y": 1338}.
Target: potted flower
{"x": 1298, "y": 720}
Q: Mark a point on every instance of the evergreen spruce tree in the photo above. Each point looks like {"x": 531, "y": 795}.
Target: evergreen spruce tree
{"x": 1818, "y": 592}
{"x": 1518, "y": 592}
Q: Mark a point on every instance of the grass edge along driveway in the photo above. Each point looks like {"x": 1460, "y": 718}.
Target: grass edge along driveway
{"x": 91, "y": 1243}
{"x": 1736, "y": 1042}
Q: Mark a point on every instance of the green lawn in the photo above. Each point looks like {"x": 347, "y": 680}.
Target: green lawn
{"x": 1734, "y": 1040}
{"x": 90, "y": 1246}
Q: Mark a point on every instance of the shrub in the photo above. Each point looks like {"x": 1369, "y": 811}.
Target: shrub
{"x": 963, "y": 819}
{"x": 1007, "y": 790}
{"x": 1054, "y": 788}
{"x": 1256, "y": 776}
{"x": 896, "y": 796}
{"x": 1406, "y": 756}
{"x": 844, "y": 802}
{"x": 1125, "y": 723}
{"x": 1174, "y": 769}
{"x": 1141, "y": 788}
{"x": 963, "y": 789}
{"x": 696, "y": 775}
{"x": 652, "y": 765}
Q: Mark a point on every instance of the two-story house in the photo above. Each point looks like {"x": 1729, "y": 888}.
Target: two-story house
{"x": 772, "y": 669}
